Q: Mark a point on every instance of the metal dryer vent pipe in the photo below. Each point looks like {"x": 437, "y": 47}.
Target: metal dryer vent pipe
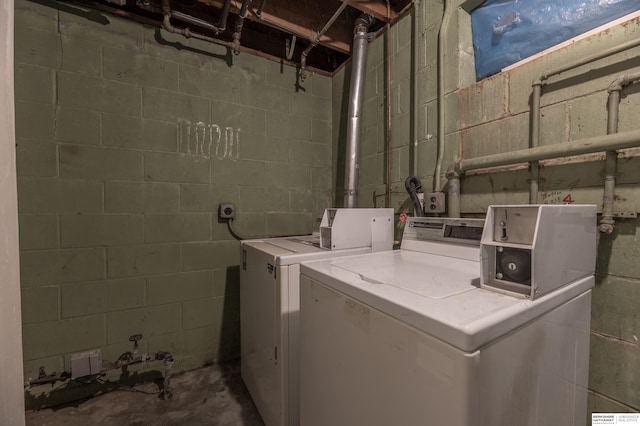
{"x": 356, "y": 93}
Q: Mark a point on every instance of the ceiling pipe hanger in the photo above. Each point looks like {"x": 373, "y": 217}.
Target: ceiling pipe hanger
{"x": 316, "y": 40}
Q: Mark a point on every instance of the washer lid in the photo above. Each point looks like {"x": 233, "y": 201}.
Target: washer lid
{"x": 434, "y": 277}
{"x": 436, "y": 294}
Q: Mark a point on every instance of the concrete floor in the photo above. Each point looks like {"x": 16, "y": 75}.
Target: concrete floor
{"x": 212, "y": 395}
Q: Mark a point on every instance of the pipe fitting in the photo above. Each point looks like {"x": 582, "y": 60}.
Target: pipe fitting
{"x": 454, "y": 171}
{"x": 606, "y": 225}
{"x": 362, "y": 23}
{"x": 616, "y": 85}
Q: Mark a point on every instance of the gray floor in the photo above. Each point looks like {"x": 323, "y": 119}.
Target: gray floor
{"x": 212, "y": 395}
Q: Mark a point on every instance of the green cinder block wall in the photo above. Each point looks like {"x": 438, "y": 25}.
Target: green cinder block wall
{"x": 164, "y": 270}
{"x": 492, "y": 116}
{"x": 128, "y": 138}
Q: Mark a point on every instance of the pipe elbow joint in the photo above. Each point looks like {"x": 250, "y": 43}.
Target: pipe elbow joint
{"x": 616, "y": 85}
{"x": 363, "y": 22}
{"x": 235, "y": 46}
{"x": 454, "y": 171}
{"x": 538, "y": 80}
{"x": 605, "y": 228}
{"x": 606, "y": 225}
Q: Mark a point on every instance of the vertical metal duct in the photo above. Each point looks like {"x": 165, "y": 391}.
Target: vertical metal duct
{"x": 356, "y": 92}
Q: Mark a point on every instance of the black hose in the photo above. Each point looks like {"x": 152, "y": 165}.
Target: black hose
{"x": 413, "y": 185}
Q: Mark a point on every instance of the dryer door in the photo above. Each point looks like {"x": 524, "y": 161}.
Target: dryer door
{"x": 261, "y": 327}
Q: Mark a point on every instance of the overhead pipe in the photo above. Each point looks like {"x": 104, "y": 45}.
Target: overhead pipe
{"x": 217, "y": 28}
{"x": 258, "y": 14}
{"x": 591, "y": 145}
{"x": 356, "y": 93}
{"x": 537, "y": 84}
{"x": 290, "y": 47}
{"x": 235, "y": 45}
{"x": 167, "y": 26}
{"x": 259, "y": 11}
{"x": 316, "y": 40}
{"x": 607, "y": 220}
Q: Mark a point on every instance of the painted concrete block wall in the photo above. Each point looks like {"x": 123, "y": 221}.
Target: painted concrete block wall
{"x": 572, "y": 108}
{"x": 128, "y": 138}
{"x": 493, "y": 116}
{"x": 11, "y": 394}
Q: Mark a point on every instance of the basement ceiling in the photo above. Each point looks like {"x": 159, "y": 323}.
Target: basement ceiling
{"x": 277, "y": 29}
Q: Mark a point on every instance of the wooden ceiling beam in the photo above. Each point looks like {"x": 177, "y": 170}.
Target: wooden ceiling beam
{"x": 296, "y": 18}
{"x": 375, "y": 8}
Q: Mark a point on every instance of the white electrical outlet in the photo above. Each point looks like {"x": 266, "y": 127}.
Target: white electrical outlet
{"x": 434, "y": 202}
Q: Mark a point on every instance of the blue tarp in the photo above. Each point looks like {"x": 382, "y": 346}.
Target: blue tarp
{"x": 507, "y": 31}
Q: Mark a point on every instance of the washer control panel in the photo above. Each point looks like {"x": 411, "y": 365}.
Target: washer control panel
{"x": 462, "y": 231}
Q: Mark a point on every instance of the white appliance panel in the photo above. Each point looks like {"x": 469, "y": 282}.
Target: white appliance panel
{"x": 451, "y": 306}
{"x": 360, "y": 366}
{"x": 269, "y": 310}
{"x": 260, "y": 334}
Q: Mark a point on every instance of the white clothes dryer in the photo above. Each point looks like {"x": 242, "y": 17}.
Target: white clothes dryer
{"x": 269, "y": 302}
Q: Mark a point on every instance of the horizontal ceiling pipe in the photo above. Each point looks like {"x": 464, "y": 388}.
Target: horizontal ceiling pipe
{"x": 166, "y": 25}
{"x": 259, "y": 11}
{"x": 316, "y": 40}
{"x": 583, "y": 146}
{"x": 217, "y": 28}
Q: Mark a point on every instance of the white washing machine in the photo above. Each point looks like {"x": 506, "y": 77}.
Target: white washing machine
{"x": 454, "y": 329}
{"x": 269, "y": 301}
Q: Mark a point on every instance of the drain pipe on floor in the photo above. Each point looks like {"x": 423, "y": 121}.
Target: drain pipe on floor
{"x": 356, "y": 93}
